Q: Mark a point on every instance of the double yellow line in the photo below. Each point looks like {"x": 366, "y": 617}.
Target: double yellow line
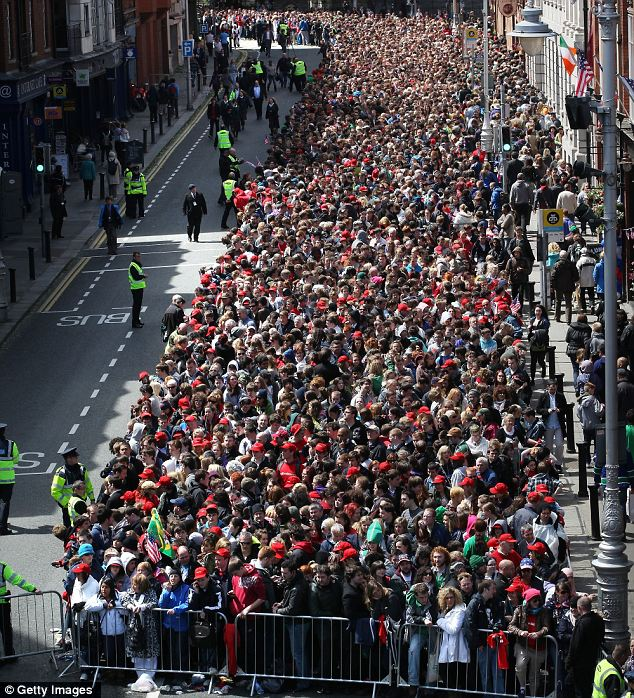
{"x": 74, "y": 268}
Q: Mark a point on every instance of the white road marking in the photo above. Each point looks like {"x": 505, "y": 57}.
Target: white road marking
{"x": 80, "y": 302}
{"x": 104, "y": 378}
{"x": 91, "y": 286}
{"x": 94, "y": 393}
{"x": 63, "y": 447}
{"x": 85, "y": 411}
{"x": 86, "y": 294}
{"x": 73, "y": 429}
{"x": 121, "y": 347}
{"x": 101, "y": 272}
{"x": 128, "y": 335}
{"x": 112, "y": 363}
{"x": 107, "y": 264}
{"x": 165, "y": 266}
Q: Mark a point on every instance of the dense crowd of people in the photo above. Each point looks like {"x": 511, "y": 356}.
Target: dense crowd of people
{"x": 349, "y": 421}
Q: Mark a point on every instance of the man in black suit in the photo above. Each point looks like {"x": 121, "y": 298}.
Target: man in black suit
{"x": 194, "y": 207}
{"x": 552, "y": 408}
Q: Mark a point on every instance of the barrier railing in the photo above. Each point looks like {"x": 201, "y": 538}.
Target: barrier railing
{"x": 32, "y": 624}
{"x": 314, "y": 650}
{"x": 505, "y": 666}
{"x": 151, "y": 641}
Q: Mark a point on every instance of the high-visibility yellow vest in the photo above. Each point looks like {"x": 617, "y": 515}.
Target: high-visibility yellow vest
{"x": 224, "y": 141}
{"x": 9, "y": 458}
{"x": 71, "y": 507}
{"x": 127, "y": 176}
{"x": 136, "y": 186}
{"x": 62, "y": 487}
{"x": 134, "y": 284}
{"x": 300, "y": 68}
{"x": 604, "y": 669}
{"x": 7, "y": 574}
{"x": 283, "y": 28}
{"x": 229, "y": 185}
{"x": 258, "y": 68}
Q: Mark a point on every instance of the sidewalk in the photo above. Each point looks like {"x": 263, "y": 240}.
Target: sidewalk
{"x": 577, "y": 510}
{"x": 80, "y": 228}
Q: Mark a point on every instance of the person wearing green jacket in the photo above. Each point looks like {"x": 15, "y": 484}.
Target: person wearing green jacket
{"x": 88, "y": 174}
{"x": 9, "y": 458}
{"x": 10, "y": 576}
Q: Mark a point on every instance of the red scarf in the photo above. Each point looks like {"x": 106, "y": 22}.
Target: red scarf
{"x": 500, "y": 641}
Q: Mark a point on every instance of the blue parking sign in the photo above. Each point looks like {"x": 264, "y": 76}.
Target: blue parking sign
{"x": 204, "y": 28}
{"x": 188, "y": 48}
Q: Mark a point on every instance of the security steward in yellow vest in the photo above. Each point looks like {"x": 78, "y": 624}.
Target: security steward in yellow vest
{"x": 299, "y": 75}
{"x": 77, "y": 504}
{"x": 282, "y": 35}
{"x": 228, "y": 162}
{"x": 64, "y": 478}
{"x": 228, "y": 187}
{"x": 223, "y": 140}
{"x": 135, "y": 187}
{"x": 10, "y": 576}
{"x": 609, "y": 681}
{"x": 136, "y": 279}
{"x": 9, "y": 458}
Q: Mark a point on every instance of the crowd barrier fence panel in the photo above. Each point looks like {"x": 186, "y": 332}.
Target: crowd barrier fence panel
{"x": 32, "y": 624}
{"x": 102, "y": 639}
{"x": 538, "y": 672}
{"x": 313, "y": 649}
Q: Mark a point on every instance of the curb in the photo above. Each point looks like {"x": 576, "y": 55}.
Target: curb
{"x": 72, "y": 265}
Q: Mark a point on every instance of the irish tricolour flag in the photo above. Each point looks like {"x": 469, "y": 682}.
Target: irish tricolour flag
{"x": 568, "y": 55}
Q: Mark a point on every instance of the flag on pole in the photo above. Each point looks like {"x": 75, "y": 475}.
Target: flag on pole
{"x": 585, "y": 74}
{"x": 628, "y": 83}
{"x": 516, "y": 306}
{"x": 568, "y": 55}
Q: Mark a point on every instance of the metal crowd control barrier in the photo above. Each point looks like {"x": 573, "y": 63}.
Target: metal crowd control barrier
{"x": 32, "y": 624}
{"x": 175, "y": 642}
{"x": 420, "y": 649}
{"x": 315, "y": 650}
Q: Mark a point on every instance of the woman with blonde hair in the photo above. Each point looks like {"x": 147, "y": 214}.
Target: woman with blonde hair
{"x": 453, "y": 645}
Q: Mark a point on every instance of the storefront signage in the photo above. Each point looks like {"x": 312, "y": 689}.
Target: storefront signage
{"x": 14, "y": 91}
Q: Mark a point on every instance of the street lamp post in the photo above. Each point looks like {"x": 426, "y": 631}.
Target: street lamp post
{"x": 611, "y": 565}
{"x": 486, "y": 135}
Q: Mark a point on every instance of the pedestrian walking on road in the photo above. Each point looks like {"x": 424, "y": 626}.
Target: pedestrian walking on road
{"x": 136, "y": 189}
{"x": 228, "y": 186}
{"x": 258, "y": 98}
{"x": 136, "y": 277}
{"x": 113, "y": 174}
{"x": 64, "y": 478}
{"x": 57, "y": 205}
{"x": 194, "y": 207}
{"x": 273, "y": 115}
{"x": 7, "y": 574}
{"x": 88, "y": 174}
{"x": 110, "y": 221}
{"x": 9, "y": 457}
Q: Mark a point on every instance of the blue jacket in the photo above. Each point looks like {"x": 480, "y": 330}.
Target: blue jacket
{"x": 87, "y": 170}
{"x": 114, "y": 207}
{"x": 178, "y": 599}
{"x": 598, "y": 276}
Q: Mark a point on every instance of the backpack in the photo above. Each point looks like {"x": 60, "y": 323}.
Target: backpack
{"x": 171, "y": 90}
{"x": 112, "y": 167}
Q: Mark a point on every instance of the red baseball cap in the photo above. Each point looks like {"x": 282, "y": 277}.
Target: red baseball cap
{"x": 507, "y": 538}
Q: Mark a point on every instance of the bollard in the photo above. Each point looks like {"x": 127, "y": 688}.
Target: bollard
{"x": 31, "y": 263}
{"x": 169, "y": 117}
{"x": 559, "y": 377}
{"x": 13, "y": 291}
{"x": 551, "y": 362}
{"x": 160, "y": 124}
{"x": 102, "y": 185}
{"x": 570, "y": 428}
{"x": 145, "y": 140}
{"x": 152, "y": 132}
{"x": 198, "y": 82}
{"x": 47, "y": 246}
{"x": 595, "y": 523}
{"x": 583, "y": 459}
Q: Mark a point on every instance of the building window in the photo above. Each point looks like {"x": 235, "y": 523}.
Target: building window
{"x": 9, "y": 29}
{"x": 86, "y": 20}
{"x": 45, "y": 28}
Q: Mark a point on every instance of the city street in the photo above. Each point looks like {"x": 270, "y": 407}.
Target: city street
{"x": 71, "y": 369}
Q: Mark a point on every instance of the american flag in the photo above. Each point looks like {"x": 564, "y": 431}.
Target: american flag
{"x": 628, "y": 83}
{"x": 516, "y": 306}
{"x": 585, "y": 74}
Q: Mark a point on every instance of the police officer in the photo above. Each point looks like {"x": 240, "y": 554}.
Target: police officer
{"x": 7, "y": 574}
{"x": 77, "y": 504}
{"x": 9, "y": 457}
{"x": 136, "y": 188}
{"x": 282, "y": 34}
{"x": 608, "y": 675}
{"x": 228, "y": 187}
{"x": 228, "y": 162}
{"x": 194, "y": 207}
{"x": 136, "y": 278}
{"x": 64, "y": 478}
{"x": 223, "y": 140}
{"x": 299, "y": 75}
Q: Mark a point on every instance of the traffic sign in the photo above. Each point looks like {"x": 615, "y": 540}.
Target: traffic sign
{"x": 552, "y": 220}
{"x": 130, "y": 52}
{"x": 204, "y": 28}
{"x": 188, "y": 48}
{"x": 59, "y": 91}
{"x": 36, "y": 120}
{"x": 471, "y": 36}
